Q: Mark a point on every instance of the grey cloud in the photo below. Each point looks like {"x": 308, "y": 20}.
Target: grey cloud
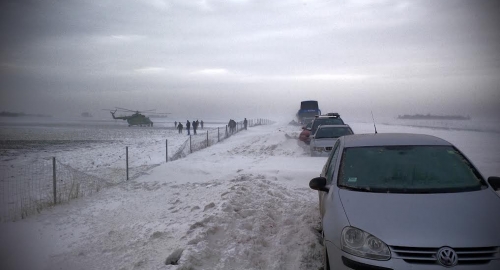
{"x": 385, "y": 54}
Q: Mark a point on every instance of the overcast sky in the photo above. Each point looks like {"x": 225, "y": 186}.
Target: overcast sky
{"x": 232, "y": 58}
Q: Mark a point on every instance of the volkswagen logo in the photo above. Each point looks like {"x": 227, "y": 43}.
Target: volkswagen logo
{"x": 447, "y": 257}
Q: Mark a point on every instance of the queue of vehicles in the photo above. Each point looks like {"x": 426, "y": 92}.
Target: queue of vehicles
{"x": 330, "y": 126}
{"x": 401, "y": 201}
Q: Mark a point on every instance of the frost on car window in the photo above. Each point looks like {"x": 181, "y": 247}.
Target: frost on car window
{"x": 407, "y": 169}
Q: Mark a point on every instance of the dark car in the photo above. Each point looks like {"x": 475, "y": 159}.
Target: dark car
{"x": 308, "y": 110}
{"x": 326, "y": 119}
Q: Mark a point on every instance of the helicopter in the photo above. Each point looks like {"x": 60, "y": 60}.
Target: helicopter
{"x": 135, "y": 119}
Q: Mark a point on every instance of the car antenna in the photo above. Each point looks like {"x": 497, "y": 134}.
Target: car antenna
{"x": 374, "y": 123}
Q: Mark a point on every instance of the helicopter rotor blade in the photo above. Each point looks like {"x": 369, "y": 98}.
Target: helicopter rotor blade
{"x": 126, "y": 110}
{"x": 134, "y": 111}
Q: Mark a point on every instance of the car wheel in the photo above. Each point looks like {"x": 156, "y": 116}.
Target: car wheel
{"x": 326, "y": 262}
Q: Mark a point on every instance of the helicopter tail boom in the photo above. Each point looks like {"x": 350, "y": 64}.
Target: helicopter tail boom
{"x": 117, "y": 117}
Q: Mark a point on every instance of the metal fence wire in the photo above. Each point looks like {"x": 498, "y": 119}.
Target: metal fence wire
{"x": 22, "y": 188}
{"x": 29, "y": 188}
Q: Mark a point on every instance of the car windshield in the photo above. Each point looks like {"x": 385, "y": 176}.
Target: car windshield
{"x": 309, "y": 105}
{"x": 325, "y": 121}
{"x": 408, "y": 169}
{"x": 332, "y": 132}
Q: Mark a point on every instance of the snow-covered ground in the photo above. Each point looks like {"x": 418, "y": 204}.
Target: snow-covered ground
{"x": 243, "y": 203}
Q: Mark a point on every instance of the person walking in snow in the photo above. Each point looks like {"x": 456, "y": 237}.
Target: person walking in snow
{"x": 179, "y": 127}
{"x": 245, "y": 123}
{"x": 232, "y": 126}
{"x": 195, "y": 126}
{"x": 188, "y": 126}
{"x": 175, "y": 124}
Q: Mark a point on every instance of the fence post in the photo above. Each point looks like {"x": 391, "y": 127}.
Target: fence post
{"x": 207, "y": 138}
{"x": 126, "y": 159}
{"x": 166, "y": 150}
{"x": 190, "y": 149}
{"x": 218, "y": 135}
{"x": 54, "y": 182}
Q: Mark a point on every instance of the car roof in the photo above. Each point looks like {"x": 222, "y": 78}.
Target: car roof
{"x": 332, "y": 126}
{"x": 383, "y": 139}
{"x": 330, "y": 115}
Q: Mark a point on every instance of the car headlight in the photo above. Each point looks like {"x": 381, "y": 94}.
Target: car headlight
{"x": 360, "y": 243}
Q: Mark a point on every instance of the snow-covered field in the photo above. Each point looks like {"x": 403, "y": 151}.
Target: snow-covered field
{"x": 243, "y": 203}
{"x": 96, "y": 147}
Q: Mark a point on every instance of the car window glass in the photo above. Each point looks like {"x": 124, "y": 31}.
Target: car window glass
{"x": 332, "y": 132}
{"x": 333, "y": 161}
{"x": 408, "y": 169}
{"x": 326, "y": 121}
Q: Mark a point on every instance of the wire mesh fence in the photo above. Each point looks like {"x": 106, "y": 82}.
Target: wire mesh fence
{"x": 29, "y": 188}
{"x": 41, "y": 184}
{"x": 22, "y": 189}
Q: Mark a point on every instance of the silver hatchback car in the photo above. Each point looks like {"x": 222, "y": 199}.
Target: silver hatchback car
{"x": 406, "y": 201}
{"x": 325, "y": 137}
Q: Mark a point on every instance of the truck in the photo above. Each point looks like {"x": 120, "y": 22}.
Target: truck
{"x": 308, "y": 110}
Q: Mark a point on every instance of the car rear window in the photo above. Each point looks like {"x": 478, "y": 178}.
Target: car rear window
{"x": 309, "y": 105}
{"x": 326, "y": 121}
{"x": 332, "y": 132}
{"x": 408, "y": 169}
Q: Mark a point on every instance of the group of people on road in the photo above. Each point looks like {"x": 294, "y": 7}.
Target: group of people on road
{"x": 195, "y": 124}
{"x": 232, "y": 125}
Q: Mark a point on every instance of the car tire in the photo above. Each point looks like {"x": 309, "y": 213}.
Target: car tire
{"x": 326, "y": 263}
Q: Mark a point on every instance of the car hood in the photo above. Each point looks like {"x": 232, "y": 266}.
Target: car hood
{"x": 467, "y": 219}
{"x": 325, "y": 142}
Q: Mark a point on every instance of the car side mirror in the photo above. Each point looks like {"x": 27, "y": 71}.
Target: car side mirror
{"x": 318, "y": 183}
{"x": 494, "y": 181}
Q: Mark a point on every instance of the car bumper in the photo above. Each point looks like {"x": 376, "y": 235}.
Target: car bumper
{"x": 340, "y": 260}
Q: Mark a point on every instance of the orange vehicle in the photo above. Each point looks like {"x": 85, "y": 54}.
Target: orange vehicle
{"x": 306, "y": 132}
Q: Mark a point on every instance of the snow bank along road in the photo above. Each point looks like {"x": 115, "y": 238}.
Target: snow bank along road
{"x": 241, "y": 204}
